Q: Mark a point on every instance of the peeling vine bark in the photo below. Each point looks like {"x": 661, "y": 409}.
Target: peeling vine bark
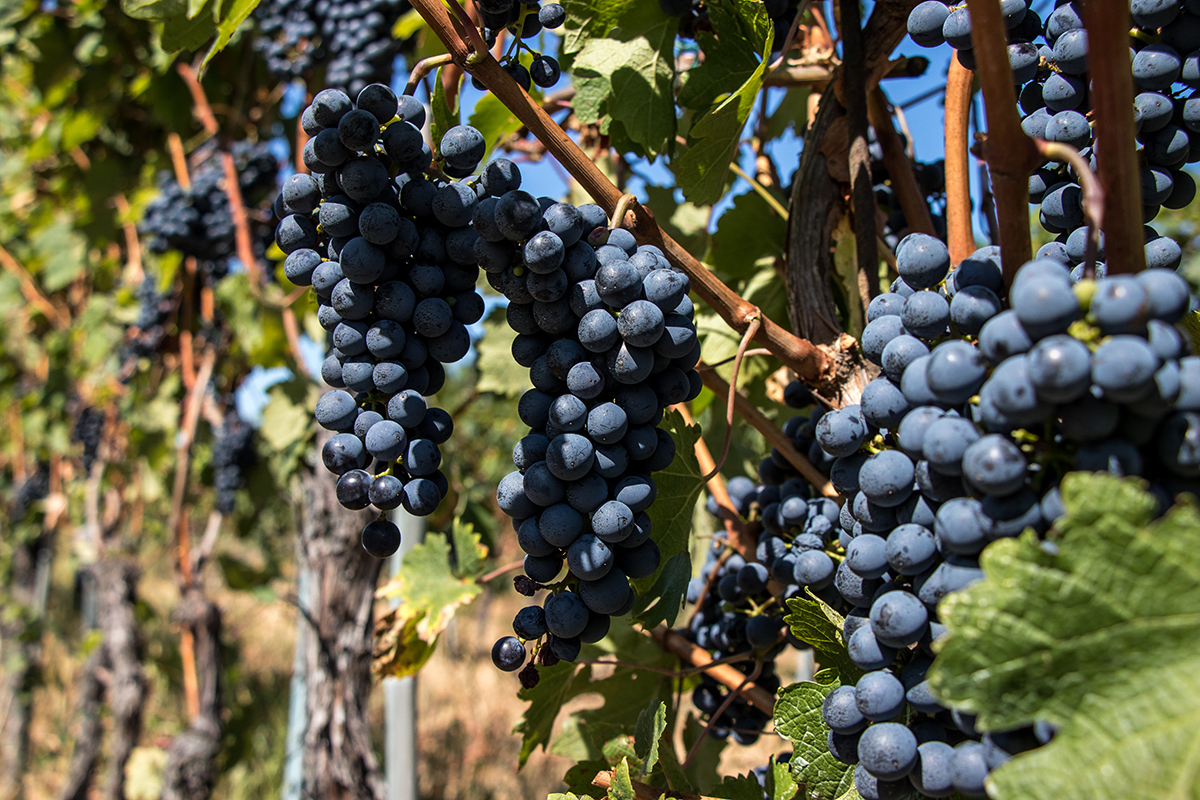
{"x": 339, "y": 761}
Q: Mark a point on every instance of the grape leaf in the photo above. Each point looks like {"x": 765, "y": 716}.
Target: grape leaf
{"x": 445, "y": 116}
{"x": 738, "y": 787}
{"x": 556, "y": 686}
{"x": 780, "y": 783}
{"x": 820, "y": 627}
{"x": 746, "y": 231}
{"x": 234, "y": 16}
{"x": 798, "y": 719}
{"x": 622, "y": 786}
{"x": 678, "y": 487}
{"x": 629, "y": 74}
{"x": 588, "y": 19}
{"x": 714, "y": 138}
{"x": 469, "y": 553}
{"x": 1094, "y": 631}
{"x": 493, "y": 119}
{"x": 430, "y": 593}
{"x": 661, "y": 603}
{"x": 498, "y": 372}
{"x": 730, "y": 50}
{"x": 649, "y": 729}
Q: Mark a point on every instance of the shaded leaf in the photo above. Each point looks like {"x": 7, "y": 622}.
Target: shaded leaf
{"x": 445, "y": 116}
{"x": 739, "y": 787}
{"x": 399, "y": 649}
{"x": 622, "y": 786}
{"x": 661, "y": 603}
{"x": 747, "y": 231}
{"x": 651, "y": 724}
{"x": 820, "y": 627}
{"x": 555, "y": 687}
{"x": 493, "y": 119}
{"x": 678, "y": 487}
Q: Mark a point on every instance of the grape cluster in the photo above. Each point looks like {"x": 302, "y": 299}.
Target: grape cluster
{"x": 393, "y": 266}
{"x": 694, "y": 16}
{"x": 198, "y": 221}
{"x": 1050, "y": 67}
{"x": 606, "y": 329}
{"x": 233, "y": 454}
{"x": 962, "y": 440}
{"x": 524, "y": 19}
{"x": 34, "y": 488}
{"x": 146, "y": 334}
{"x": 88, "y": 431}
{"x": 352, "y": 38}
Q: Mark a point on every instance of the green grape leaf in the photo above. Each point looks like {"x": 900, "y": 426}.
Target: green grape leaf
{"x": 498, "y": 372}
{"x": 780, "y": 783}
{"x": 1094, "y": 631}
{"x": 678, "y": 487}
{"x": 556, "y": 685}
{"x": 686, "y": 222}
{"x": 820, "y": 627}
{"x": 469, "y": 554}
{"x": 714, "y": 137}
{"x": 628, "y": 74}
{"x": 731, "y": 52}
{"x": 651, "y": 724}
{"x": 445, "y": 116}
{"x": 738, "y": 787}
{"x": 430, "y": 593}
{"x": 184, "y": 33}
{"x": 661, "y": 604}
{"x": 234, "y": 15}
{"x": 622, "y": 785}
{"x": 798, "y": 719}
{"x": 593, "y": 19}
{"x": 155, "y": 10}
{"x": 568, "y": 796}
{"x": 746, "y": 232}
{"x": 493, "y": 119}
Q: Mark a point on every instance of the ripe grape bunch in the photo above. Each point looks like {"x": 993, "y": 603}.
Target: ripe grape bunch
{"x": 352, "y": 38}
{"x": 392, "y": 263}
{"x": 962, "y": 440}
{"x": 606, "y": 329}
{"x": 233, "y": 454}
{"x": 524, "y": 19}
{"x": 735, "y": 608}
{"x": 198, "y": 221}
{"x": 1050, "y": 67}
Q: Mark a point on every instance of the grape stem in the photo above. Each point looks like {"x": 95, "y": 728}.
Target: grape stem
{"x": 740, "y": 537}
{"x": 498, "y": 571}
{"x": 723, "y": 673}
{"x": 1107, "y": 23}
{"x": 642, "y": 791}
{"x": 732, "y": 397}
{"x": 712, "y": 720}
{"x": 29, "y": 289}
{"x": 1011, "y": 154}
{"x": 423, "y": 68}
{"x": 1093, "y": 195}
{"x": 769, "y": 430}
{"x": 801, "y": 355}
{"x": 628, "y": 202}
{"x": 960, "y": 239}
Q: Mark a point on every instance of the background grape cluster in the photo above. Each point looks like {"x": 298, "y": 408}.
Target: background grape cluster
{"x": 352, "y": 39}
{"x": 390, "y": 255}
{"x": 198, "y": 221}
{"x": 606, "y": 329}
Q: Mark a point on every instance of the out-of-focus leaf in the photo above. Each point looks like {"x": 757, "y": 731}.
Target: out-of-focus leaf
{"x": 651, "y": 724}
{"x": 233, "y": 16}
{"x": 445, "y": 116}
{"x": 498, "y": 372}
